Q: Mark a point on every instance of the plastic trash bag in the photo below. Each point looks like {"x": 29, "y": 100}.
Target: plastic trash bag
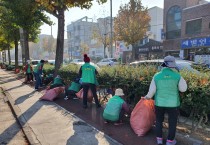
{"x": 143, "y": 117}
{"x": 51, "y": 94}
{"x": 89, "y": 96}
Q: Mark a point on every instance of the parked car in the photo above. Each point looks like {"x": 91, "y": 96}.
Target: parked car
{"x": 34, "y": 63}
{"x": 52, "y": 62}
{"x": 108, "y": 62}
{"x": 181, "y": 64}
{"x": 76, "y": 61}
{"x": 81, "y": 63}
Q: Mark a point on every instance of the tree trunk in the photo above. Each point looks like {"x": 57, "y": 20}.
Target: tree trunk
{"x": 133, "y": 53}
{"x": 26, "y": 45}
{"x": 5, "y": 56}
{"x": 16, "y": 53}
{"x": 60, "y": 41}
{"x": 9, "y": 57}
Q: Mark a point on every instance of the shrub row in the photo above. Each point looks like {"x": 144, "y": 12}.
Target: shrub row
{"x": 135, "y": 83}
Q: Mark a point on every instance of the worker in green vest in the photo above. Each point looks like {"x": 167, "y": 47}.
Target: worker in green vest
{"x": 57, "y": 82}
{"x": 37, "y": 73}
{"x": 72, "y": 89}
{"x": 165, "y": 88}
{"x": 88, "y": 73}
{"x": 28, "y": 70}
{"x": 115, "y": 108}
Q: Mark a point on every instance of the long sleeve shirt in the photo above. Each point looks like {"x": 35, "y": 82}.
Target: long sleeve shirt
{"x": 182, "y": 86}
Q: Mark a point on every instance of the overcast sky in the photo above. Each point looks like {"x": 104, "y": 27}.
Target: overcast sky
{"x": 95, "y": 12}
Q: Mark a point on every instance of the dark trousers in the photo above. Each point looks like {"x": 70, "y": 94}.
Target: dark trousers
{"x": 173, "y": 113}
{"x": 29, "y": 77}
{"x": 70, "y": 93}
{"x": 38, "y": 80}
{"x": 85, "y": 92}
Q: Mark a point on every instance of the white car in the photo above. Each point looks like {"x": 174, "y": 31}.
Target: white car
{"x": 108, "y": 62}
{"x": 76, "y": 61}
{"x": 81, "y": 63}
{"x": 34, "y": 63}
{"x": 181, "y": 64}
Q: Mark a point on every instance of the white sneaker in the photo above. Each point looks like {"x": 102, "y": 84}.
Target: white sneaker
{"x": 66, "y": 98}
{"x": 171, "y": 142}
{"x": 159, "y": 141}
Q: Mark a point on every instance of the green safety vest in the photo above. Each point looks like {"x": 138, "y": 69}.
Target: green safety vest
{"x": 74, "y": 87}
{"x": 88, "y": 73}
{"x": 36, "y": 69}
{"x": 28, "y": 68}
{"x": 167, "y": 91}
{"x": 113, "y": 108}
{"x": 57, "y": 81}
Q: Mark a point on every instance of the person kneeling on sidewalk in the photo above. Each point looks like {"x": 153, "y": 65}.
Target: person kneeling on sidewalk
{"x": 57, "y": 82}
{"x": 73, "y": 88}
{"x": 115, "y": 108}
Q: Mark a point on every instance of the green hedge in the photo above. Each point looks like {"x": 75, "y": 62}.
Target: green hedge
{"x": 135, "y": 83}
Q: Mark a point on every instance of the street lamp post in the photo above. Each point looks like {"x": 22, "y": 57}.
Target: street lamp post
{"x": 104, "y": 44}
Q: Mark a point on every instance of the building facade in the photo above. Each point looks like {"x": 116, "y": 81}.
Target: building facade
{"x": 156, "y": 24}
{"x": 151, "y": 46}
{"x": 187, "y": 28}
{"x": 79, "y": 34}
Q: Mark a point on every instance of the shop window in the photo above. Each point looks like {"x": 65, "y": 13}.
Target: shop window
{"x": 194, "y": 26}
{"x": 173, "y": 23}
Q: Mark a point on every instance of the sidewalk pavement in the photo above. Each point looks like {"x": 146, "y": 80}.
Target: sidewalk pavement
{"x": 10, "y": 130}
{"x": 46, "y": 123}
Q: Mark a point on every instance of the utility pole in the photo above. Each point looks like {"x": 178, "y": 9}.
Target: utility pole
{"x": 111, "y": 44}
{"x": 105, "y": 45}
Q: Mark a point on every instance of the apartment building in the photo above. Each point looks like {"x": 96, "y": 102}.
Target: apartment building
{"x": 79, "y": 34}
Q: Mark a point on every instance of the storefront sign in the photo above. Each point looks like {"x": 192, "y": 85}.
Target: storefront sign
{"x": 143, "y": 49}
{"x": 157, "y": 47}
{"x": 197, "y": 42}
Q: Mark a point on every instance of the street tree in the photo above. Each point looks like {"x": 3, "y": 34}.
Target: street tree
{"x": 29, "y": 18}
{"x": 131, "y": 23}
{"x": 101, "y": 33}
{"x": 5, "y": 43}
{"x": 84, "y": 48}
{"x": 48, "y": 44}
{"x": 10, "y": 30}
{"x": 57, "y": 9}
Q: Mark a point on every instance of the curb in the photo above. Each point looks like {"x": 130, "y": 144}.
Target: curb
{"x": 189, "y": 139}
{"x": 28, "y": 132}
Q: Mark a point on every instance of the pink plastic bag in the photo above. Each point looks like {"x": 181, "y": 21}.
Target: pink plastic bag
{"x": 89, "y": 96}
{"x": 51, "y": 94}
{"x": 143, "y": 117}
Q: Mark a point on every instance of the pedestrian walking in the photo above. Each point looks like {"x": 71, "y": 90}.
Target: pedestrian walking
{"x": 88, "y": 73}
{"x": 166, "y": 86}
{"x": 116, "y": 108}
{"x": 37, "y": 73}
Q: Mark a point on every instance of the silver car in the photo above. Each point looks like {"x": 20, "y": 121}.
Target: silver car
{"x": 108, "y": 62}
{"x": 181, "y": 64}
